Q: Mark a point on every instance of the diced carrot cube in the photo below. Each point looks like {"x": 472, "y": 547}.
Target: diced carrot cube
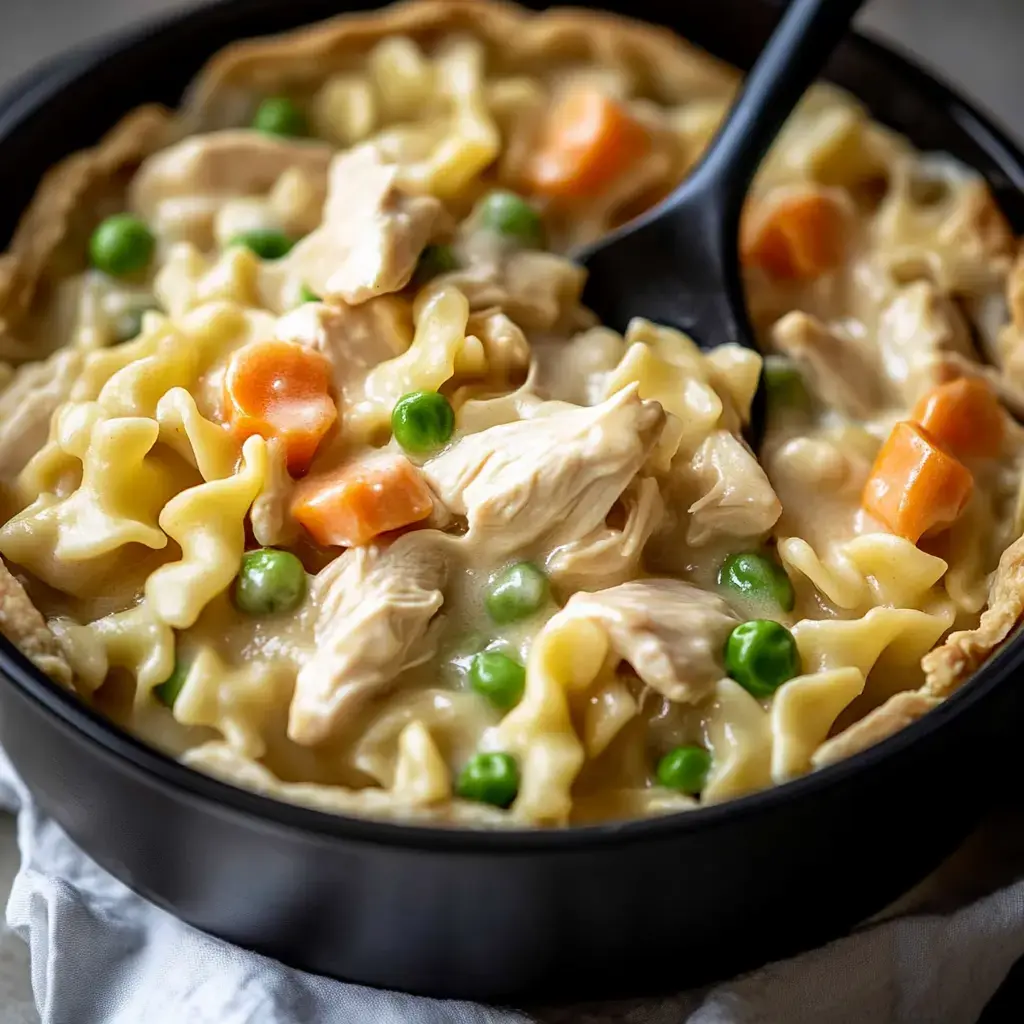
{"x": 964, "y": 416}
{"x": 589, "y": 140}
{"x": 916, "y": 488}
{"x": 281, "y": 389}
{"x": 350, "y": 506}
{"x": 795, "y": 236}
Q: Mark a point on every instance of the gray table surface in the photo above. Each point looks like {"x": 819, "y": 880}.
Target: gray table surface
{"x": 975, "y": 45}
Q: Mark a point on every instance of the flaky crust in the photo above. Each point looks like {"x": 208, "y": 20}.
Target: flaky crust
{"x": 948, "y": 666}
{"x": 945, "y": 669}
{"x": 886, "y": 720}
{"x": 669, "y": 67}
{"x": 61, "y": 206}
{"x": 23, "y": 624}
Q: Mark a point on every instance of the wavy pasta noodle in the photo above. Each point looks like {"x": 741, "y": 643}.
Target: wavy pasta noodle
{"x": 237, "y": 702}
{"x": 739, "y": 735}
{"x": 871, "y": 569}
{"x": 439, "y": 350}
{"x": 669, "y": 369}
{"x": 566, "y": 656}
{"x": 803, "y": 713}
{"x": 207, "y": 522}
{"x": 134, "y": 640}
{"x": 317, "y": 473}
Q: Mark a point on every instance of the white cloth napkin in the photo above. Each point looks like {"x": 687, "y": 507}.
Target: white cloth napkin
{"x": 102, "y": 955}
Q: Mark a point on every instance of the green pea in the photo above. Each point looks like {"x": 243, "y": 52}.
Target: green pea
{"x": 761, "y": 655}
{"x": 685, "y": 769}
{"x": 434, "y": 260}
{"x": 121, "y": 245}
{"x": 516, "y": 592}
{"x": 278, "y": 115}
{"x": 167, "y": 692}
{"x": 757, "y": 578}
{"x": 497, "y": 677}
{"x": 785, "y": 386}
{"x": 127, "y": 325}
{"x": 306, "y": 294}
{"x": 507, "y": 214}
{"x": 269, "y": 582}
{"x": 266, "y": 243}
{"x": 489, "y": 779}
{"x": 422, "y": 421}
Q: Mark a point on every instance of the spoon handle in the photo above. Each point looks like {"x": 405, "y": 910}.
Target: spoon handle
{"x": 806, "y": 36}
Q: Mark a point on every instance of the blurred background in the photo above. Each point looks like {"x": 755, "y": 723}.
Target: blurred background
{"x": 976, "y": 45}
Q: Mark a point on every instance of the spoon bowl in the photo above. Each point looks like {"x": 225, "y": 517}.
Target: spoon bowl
{"x": 678, "y": 264}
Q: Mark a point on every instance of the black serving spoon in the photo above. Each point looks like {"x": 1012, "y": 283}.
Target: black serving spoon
{"x": 678, "y": 264}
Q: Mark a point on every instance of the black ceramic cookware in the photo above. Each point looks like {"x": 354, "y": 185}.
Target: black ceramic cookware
{"x": 505, "y": 915}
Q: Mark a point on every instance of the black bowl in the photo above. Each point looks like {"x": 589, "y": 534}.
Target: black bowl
{"x": 621, "y": 908}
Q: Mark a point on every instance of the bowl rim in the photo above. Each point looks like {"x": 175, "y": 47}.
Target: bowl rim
{"x": 31, "y": 92}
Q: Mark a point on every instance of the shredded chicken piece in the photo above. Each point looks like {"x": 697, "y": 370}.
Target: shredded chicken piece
{"x": 550, "y": 479}
{"x": 979, "y": 232}
{"x": 354, "y": 338}
{"x": 917, "y": 330}
{"x": 895, "y": 714}
{"x": 948, "y": 666}
{"x": 577, "y": 370}
{"x": 608, "y": 555}
{"x": 736, "y": 497}
{"x": 842, "y": 371}
{"x": 184, "y": 185}
{"x": 540, "y": 291}
{"x": 375, "y": 610}
{"x": 672, "y": 633}
{"x": 28, "y": 403}
{"x": 22, "y": 624}
{"x": 371, "y": 236}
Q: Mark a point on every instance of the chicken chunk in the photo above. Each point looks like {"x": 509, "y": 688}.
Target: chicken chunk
{"x": 670, "y": 632}
{"x": 184, "y": 186}
{"x": 354, "y": 338}
{"x": 610, "y": 554}
{"x": 28, "y": 403}
{"x": 540, "y": 291}
{"x": 916, "y": 331}
{"x": 547, "y": 480}
{"x": 736, "y": 498}
{"x": 842, "y": 371}
{"x": 22, "y": 624}
{"x": 375, "y": 609}
{"x": 371, "y": 236}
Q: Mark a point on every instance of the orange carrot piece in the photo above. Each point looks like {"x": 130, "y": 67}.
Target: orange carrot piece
{"x": 281, "y": 389}
{"x": 799, "y": 236}
{"x": 587, "y": 142}
{"x": 915, "y": 487}
{"x": 964, "y": 416}
{"x": 351, "y": 505}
